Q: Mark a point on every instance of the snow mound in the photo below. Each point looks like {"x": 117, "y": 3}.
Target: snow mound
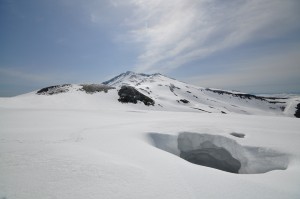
{"x": 221, "y": 153}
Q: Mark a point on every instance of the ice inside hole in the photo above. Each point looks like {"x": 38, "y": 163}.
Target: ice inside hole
{"x": 221, "y": 153}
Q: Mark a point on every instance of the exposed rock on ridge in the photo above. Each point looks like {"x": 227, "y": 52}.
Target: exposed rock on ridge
{"x": 93, "y": 88}
{"x": 297, "y": 113}
{"x": 129, "y": 94}
{"x": 51, "y": 90}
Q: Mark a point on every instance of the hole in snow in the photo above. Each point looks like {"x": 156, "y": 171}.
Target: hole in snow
{"x": 214, "y": 157}
{"x": 221, "y": 153}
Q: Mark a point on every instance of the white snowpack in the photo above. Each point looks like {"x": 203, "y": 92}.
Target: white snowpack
{"x": 77, "y": 145}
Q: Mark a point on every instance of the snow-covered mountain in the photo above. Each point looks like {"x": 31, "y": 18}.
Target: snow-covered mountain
{"x": 162, "y": 93}
{"x": 148, "y": 136}
{"x": 173, "y": 94}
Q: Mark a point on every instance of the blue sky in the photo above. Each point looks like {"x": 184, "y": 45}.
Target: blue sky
{"x": 247, "y": 45}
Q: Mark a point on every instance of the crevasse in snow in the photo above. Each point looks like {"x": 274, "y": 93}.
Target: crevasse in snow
{"x": 221, "y": 153}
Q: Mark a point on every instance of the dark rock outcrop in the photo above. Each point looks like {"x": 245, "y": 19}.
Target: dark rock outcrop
{"x": 51, "y": 90}
{"x": 297, "y": 113}
{"x": 129, "y": 94}
{"x": 184, "y": 101}
{"x": 201, "y": 110}
{"x": 239, "y": 135}
{"x": 247, "y": 96}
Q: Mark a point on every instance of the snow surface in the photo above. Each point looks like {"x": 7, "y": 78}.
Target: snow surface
{"x": 78, "y": 145}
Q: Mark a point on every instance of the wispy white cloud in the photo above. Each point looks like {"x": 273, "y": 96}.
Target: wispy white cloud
{"x": 172, "y": 33}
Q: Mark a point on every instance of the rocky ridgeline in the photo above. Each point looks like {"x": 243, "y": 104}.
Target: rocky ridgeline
{"x": 88, "y": 88}
{"x": 52, "y": 90}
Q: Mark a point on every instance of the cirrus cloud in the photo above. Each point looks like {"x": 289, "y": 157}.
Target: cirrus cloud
{"x": 172, "y": 33}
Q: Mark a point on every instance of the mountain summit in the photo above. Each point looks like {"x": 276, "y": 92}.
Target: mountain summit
{"x": 130, "y": 78}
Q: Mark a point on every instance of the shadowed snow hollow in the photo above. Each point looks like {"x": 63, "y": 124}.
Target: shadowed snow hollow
{"x": 221, "y": 153}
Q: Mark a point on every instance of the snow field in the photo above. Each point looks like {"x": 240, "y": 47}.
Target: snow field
{"x": 78, "y": 145}
{"x": 107, "y": 153}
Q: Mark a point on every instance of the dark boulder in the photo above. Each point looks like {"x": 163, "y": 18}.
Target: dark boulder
{"x": 184, "y": 101}
{"x": 239, "y": 135}
{"x": 129, "y": 94}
